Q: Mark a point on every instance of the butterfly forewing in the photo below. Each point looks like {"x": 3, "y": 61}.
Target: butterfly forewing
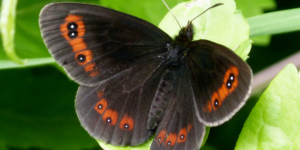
{"x": 221, "y": 81}
{"x": 94, "y": 43}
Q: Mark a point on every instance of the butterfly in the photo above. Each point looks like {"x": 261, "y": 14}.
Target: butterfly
{"x": 136, "y": 81}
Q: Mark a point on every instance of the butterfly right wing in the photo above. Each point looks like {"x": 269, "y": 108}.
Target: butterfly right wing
{"x": 221, "y": 81}
{"x": 94, "y": 43}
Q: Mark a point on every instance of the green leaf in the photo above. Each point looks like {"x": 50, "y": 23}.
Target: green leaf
{"x": 143, "y": 146}
{"x": 142, "y": 9}
{"x": 274, "y": 121}
{"x": 23, "y": 35}
{"x": 211, "y": 25}
{"x": 37, "y": 110}
{"x": 207, "y": 130}
{"x": 8, "y": 64}
{"x": 255, "y": 8}
{"x": 7, "y": 25}
{"x": 275, "y": 22}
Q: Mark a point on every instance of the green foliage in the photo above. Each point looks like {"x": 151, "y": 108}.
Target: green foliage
{"x": 273, "y": 122}
{"x": 252, "y": 8}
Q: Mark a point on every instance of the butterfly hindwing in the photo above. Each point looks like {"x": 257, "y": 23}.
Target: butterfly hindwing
{"x": 180, "y": 128}
{"x": 115, "y": 115}
{"x": 94, "y": 43}
{"x": 221, "y": 81}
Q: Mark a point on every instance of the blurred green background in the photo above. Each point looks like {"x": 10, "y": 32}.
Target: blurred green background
{"x": 37, "y": 103}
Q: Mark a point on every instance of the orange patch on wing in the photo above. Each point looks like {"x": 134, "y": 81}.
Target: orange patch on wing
{"x": 100, "y": 94}
{"x": 88, "y": 56}
{"x": 64, "y": 29}
{"x": 101, "y": 106}
{"x": 183, "y": 132}
{"x": 89, "y": 67}
{"x": 182, "y": 135}
{"x": 190, "y": 127}
{"x": 126, "y": 120}
{"x": 94, "y": 73}
{"x": 80, "y": 25}
{"x": 223, "y": 91}
{"x": 77, "y": 44}
{"x": 73, "y": 18}
{"x": 171, "y": 138}
{"x": 112, "y": 115}
{"x": 161, "y": 135}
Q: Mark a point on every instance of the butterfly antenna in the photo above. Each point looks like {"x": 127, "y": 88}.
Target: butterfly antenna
{"x": 171, "y": 13}
{"x": 216, "y": 5}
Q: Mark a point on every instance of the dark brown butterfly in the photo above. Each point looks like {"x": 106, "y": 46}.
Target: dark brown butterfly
{"x": 136, "y": 81}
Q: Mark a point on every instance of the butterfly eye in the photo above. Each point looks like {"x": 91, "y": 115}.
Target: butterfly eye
{"x": 189, "y": 35}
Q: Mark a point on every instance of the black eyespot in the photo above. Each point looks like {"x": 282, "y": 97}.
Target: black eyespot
{"x": 216, "y": 102}
{"x": 108, "y": 120}
{"x": 228, "y": 85}
{"x": 181, "y": 136}
{"x": 126, "y": 126}
{"x": 81, "y": 58}
{"x": 72, "y": 26}
{"x": 100, "y": 106}
{"x": 159, "y": 139}
{"x": 72, "y": 34}
{"x": 169, "y": 143}
{"x": 230, "y": 80}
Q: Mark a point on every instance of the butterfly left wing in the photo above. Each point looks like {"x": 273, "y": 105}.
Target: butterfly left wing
{"x": 117, "y": 116}
{"x": 180, "y": 129}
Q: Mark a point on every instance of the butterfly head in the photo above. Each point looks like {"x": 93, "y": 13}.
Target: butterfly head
{"x": 185, "y": 34}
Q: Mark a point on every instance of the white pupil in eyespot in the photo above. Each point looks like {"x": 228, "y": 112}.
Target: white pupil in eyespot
{"x": 229, "y": 84}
